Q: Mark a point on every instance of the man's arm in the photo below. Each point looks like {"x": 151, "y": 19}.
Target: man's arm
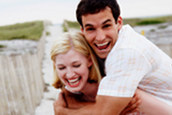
{"x": 104, "y": 105}
{"x": 152, "y": 106}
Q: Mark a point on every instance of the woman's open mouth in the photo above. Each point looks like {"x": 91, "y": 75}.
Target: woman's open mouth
{"x": 74, "y": 82}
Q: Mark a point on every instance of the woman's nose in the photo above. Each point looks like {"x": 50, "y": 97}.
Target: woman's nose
{"x": 70, "y": 73}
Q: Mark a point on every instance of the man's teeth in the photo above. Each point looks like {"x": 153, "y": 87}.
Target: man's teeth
{"x": 99, "y": 45}
{"x": 73, "y": 80}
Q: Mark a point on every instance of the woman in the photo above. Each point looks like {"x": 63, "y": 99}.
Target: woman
{"x": 75, "y": 68}
{"x": 77, "y": 73}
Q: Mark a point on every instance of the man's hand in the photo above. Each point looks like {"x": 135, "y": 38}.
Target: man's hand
{"x": 133, "y": 105}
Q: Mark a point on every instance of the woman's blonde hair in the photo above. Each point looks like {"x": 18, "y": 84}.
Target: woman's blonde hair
{"x": 79, "y": 44}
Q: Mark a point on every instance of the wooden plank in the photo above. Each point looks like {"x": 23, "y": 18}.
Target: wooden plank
{"x": 3, "y": 91}
{"x": 21, "y": 82}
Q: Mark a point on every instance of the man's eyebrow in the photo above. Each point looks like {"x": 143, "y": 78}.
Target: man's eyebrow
{"x": 108, "y": 20}
{"x": 88, "y": 25}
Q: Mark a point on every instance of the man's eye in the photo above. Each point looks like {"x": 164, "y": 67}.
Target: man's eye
{"x": 106, "y": 26}
{"x": 77, "y": 65}
{"x": 90, "y": 29}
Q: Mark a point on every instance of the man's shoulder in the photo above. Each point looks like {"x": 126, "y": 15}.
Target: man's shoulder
{"x": 130, "y": 39}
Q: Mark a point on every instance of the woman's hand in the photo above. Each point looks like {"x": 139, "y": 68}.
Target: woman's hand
{"x": 59, "y": 104}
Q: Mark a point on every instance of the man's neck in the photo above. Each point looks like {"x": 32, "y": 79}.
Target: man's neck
{"x": 101, "y": 63}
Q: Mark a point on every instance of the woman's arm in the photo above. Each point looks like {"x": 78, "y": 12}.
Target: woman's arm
{"x": 73, "y": 101}
{"x": 104, "y": 105}
{"x": 80, "y": 99}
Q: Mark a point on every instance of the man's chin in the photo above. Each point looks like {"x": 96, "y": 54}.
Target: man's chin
{"x": 102, "y": 56}
{"x": 103, "y": 53}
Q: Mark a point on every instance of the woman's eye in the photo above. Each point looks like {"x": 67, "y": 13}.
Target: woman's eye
{"x": 61, "y": 68}
{"x": 77, "y": 65}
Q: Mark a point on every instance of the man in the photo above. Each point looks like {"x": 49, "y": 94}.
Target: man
{"x": 131, "y": 60}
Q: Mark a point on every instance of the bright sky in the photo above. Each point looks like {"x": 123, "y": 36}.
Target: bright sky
{"x": 16, "y": 11}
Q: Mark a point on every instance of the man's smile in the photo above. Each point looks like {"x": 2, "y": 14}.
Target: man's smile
{"x": 102, "y": 46}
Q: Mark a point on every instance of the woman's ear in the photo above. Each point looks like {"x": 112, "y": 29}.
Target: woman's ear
{"x": 90, "y": 62}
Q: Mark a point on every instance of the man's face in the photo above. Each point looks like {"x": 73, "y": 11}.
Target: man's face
{"x": 101, "y": 31}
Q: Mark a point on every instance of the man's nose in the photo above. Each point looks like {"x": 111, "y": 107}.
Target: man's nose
{"x": 100, "y": 35}
{"x": 70, "y": 73}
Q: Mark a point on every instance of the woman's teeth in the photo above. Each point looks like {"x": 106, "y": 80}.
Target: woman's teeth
{"x": 73, "y": 80}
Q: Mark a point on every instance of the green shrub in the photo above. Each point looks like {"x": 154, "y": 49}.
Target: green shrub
{"x": 132, "y": 21}
{"x": 152, "y": 30}
{"x": 162, "y": 27}
{"x": 73, "y": 25}
{"x": 64, "y": 28}
{"x": 47, "y": 33}
{"x": 28, "y": 30}
{"x": 70, "y": 24}
{"x": 2, "y": 46}
{"x": 148, "y": 22}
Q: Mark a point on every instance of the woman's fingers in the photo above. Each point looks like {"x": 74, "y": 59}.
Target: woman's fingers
{"x": 60, "y": 100}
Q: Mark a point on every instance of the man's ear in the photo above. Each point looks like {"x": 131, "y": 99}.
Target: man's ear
{"x": 119, "y": 22}
{"x": 90, "y": 62}
{"x": 82, "y": 29}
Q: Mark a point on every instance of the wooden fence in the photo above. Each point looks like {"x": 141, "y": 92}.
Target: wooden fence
{"x": 21, "y": 82}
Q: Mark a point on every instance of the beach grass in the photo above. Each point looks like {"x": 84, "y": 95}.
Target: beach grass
{"x": 70, "y": 24}
{"x": 132, "y": 21}
{"x": 147, "y": 21}
{"x": 2, "y": 46}
{"x": 28, "y": 30}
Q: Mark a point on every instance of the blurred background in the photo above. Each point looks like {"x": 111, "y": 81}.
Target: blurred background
{"x": 14, "y": 11}
{"x": 27, "y": 31}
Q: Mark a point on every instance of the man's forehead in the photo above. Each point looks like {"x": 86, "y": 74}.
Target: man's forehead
{"x": 101, "y": 17}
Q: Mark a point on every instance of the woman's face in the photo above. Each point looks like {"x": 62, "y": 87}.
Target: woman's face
{"x": 73, "y": 69}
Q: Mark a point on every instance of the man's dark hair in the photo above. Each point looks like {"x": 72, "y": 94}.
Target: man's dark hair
{"x": 95, "y": 6}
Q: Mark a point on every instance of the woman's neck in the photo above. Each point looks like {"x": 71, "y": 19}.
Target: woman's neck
{"x": 90, "y": 91}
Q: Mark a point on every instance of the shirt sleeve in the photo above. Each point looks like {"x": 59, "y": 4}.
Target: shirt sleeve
{"x": 124, "y": 70}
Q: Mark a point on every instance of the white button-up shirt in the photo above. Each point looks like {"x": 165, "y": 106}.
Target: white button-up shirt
{"x": 136, "y": 62}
